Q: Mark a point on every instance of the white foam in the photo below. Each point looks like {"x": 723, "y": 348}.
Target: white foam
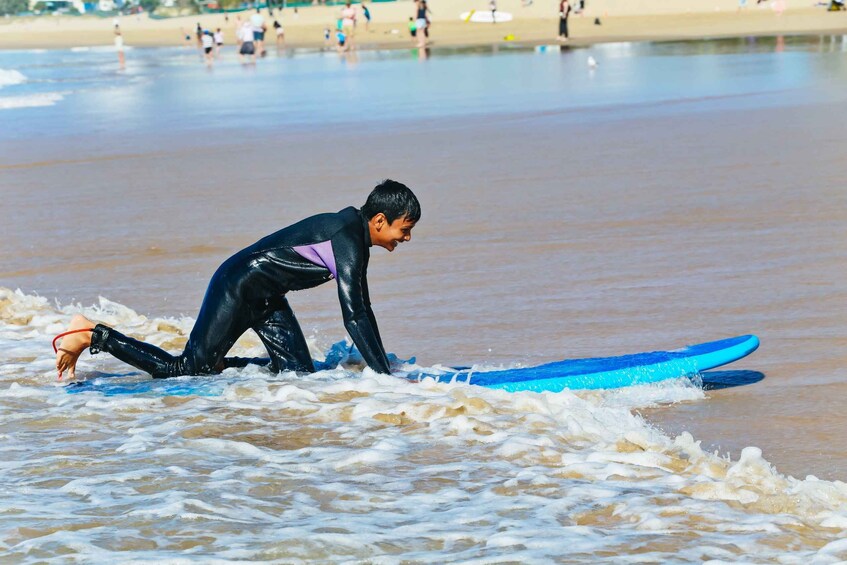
{"x": 10, "y": 77}
{"x": 354, "y": 466}
{"x": 36, "y": 100}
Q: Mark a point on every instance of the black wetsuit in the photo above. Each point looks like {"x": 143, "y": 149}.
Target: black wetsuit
{"x": 248, "y": 292}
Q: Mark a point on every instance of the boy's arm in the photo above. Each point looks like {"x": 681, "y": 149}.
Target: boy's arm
{"x": 358, "y": 317}
{"x": 367, "y": 295}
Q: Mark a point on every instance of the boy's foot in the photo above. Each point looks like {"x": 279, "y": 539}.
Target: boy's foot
{"x": 73, "y": 345}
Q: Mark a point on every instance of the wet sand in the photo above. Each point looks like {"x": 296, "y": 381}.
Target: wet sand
{"x": 537, "y": 24}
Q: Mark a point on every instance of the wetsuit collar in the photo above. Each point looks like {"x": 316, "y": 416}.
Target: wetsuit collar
{"x": 367, "y": 229}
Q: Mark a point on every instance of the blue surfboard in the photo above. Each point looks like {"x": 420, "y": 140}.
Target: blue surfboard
{"x": 594, "y": 373}
{"x": 607, "y": 372}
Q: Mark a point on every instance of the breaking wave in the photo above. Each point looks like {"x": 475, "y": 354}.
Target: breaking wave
{"x": 348, "y": 465}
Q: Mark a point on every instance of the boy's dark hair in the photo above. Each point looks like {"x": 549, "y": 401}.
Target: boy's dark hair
{"x": 395, "y": 200}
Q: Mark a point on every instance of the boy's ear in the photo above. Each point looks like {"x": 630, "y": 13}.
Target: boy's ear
{"x": 379, "y": 220}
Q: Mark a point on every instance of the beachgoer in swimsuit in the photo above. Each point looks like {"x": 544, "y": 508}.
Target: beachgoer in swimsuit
{"x": 219, "y": 41}
{"x": 119, "y": 46}
{"x": 280, "y": 33}
{"x": 422, "y": 22}
{"x": 208, "y": 44}
{"x": 248, "y": 291}
{"x": 348, "y": 16}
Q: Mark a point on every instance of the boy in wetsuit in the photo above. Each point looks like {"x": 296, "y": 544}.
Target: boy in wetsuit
{"x": 248, "y": 292}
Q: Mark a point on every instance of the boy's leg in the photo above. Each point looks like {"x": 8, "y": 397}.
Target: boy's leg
{"x": 284, "y": 340}
{"x": 221, "y": 321}
{"x": 141, "y": 355}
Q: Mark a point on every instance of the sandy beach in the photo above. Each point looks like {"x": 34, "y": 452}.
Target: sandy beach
{"x": 534, "y": 24}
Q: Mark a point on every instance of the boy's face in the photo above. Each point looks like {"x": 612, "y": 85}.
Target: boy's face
{"x": 390, "y": 235}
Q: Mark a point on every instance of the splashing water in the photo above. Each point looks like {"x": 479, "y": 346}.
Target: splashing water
{"x": 345, "y": 465}
{"x": 11, "y": 76}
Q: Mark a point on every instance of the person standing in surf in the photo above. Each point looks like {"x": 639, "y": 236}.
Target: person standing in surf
{"x": 119, "y": 46}
{"x": 219, "y": 42}
{"x": 258, "y": 22}
{"x": 247, "y": 48}
{"x": 422, "y": 12}
{"x": 248, "y": 291}
{"x": 280, "y": 35}
{"x": 564, "y": 12}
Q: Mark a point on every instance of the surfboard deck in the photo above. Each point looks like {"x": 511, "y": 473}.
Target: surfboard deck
{"x": 592, "y": 373}
{"x": 607, "y": 372}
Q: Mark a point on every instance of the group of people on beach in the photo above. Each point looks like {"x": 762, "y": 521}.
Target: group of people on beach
{"x": 346, "y": 25}
{"x": 249, "y": 37}
{"x": 250, "y": 33}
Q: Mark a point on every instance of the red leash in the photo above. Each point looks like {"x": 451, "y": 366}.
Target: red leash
{"x": 63, "y": 334}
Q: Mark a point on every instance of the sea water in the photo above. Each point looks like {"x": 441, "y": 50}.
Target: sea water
{"x": 674, "y": 194}
{"x": 347, "y": 466}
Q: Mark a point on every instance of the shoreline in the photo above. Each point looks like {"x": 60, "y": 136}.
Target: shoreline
{"x": 307, "y": 30}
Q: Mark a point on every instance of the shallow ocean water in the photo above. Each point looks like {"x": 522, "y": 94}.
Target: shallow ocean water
{"x": 678, "y": 193}
{"x": 345, "y": 466}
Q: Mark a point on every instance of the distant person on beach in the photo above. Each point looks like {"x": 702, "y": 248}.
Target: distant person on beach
{"x": 219, "y": 41}
{"x": 119, "y": 46}
{"x": 280, "y": 34}
{"x": 198, "y": 34}
{"x": 341, "y": 41}
{"x": 492, "y": 5}
{"x": 413, "y": 28}
{"x": 422, "y": 12}
{"x": 208, "y": 41}
{"x": 247, "y": 49}
{"x": 248, "y": 291}
{"x": 327, "y": 37}
{"x": 367, "y": 14}
{"x": 348, "y": 18}
{"x": 564, "y": 12}
{"x": 259, "y": 28}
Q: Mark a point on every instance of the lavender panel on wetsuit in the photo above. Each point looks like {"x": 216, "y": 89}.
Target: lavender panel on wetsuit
{"x": 320, "y": 254}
